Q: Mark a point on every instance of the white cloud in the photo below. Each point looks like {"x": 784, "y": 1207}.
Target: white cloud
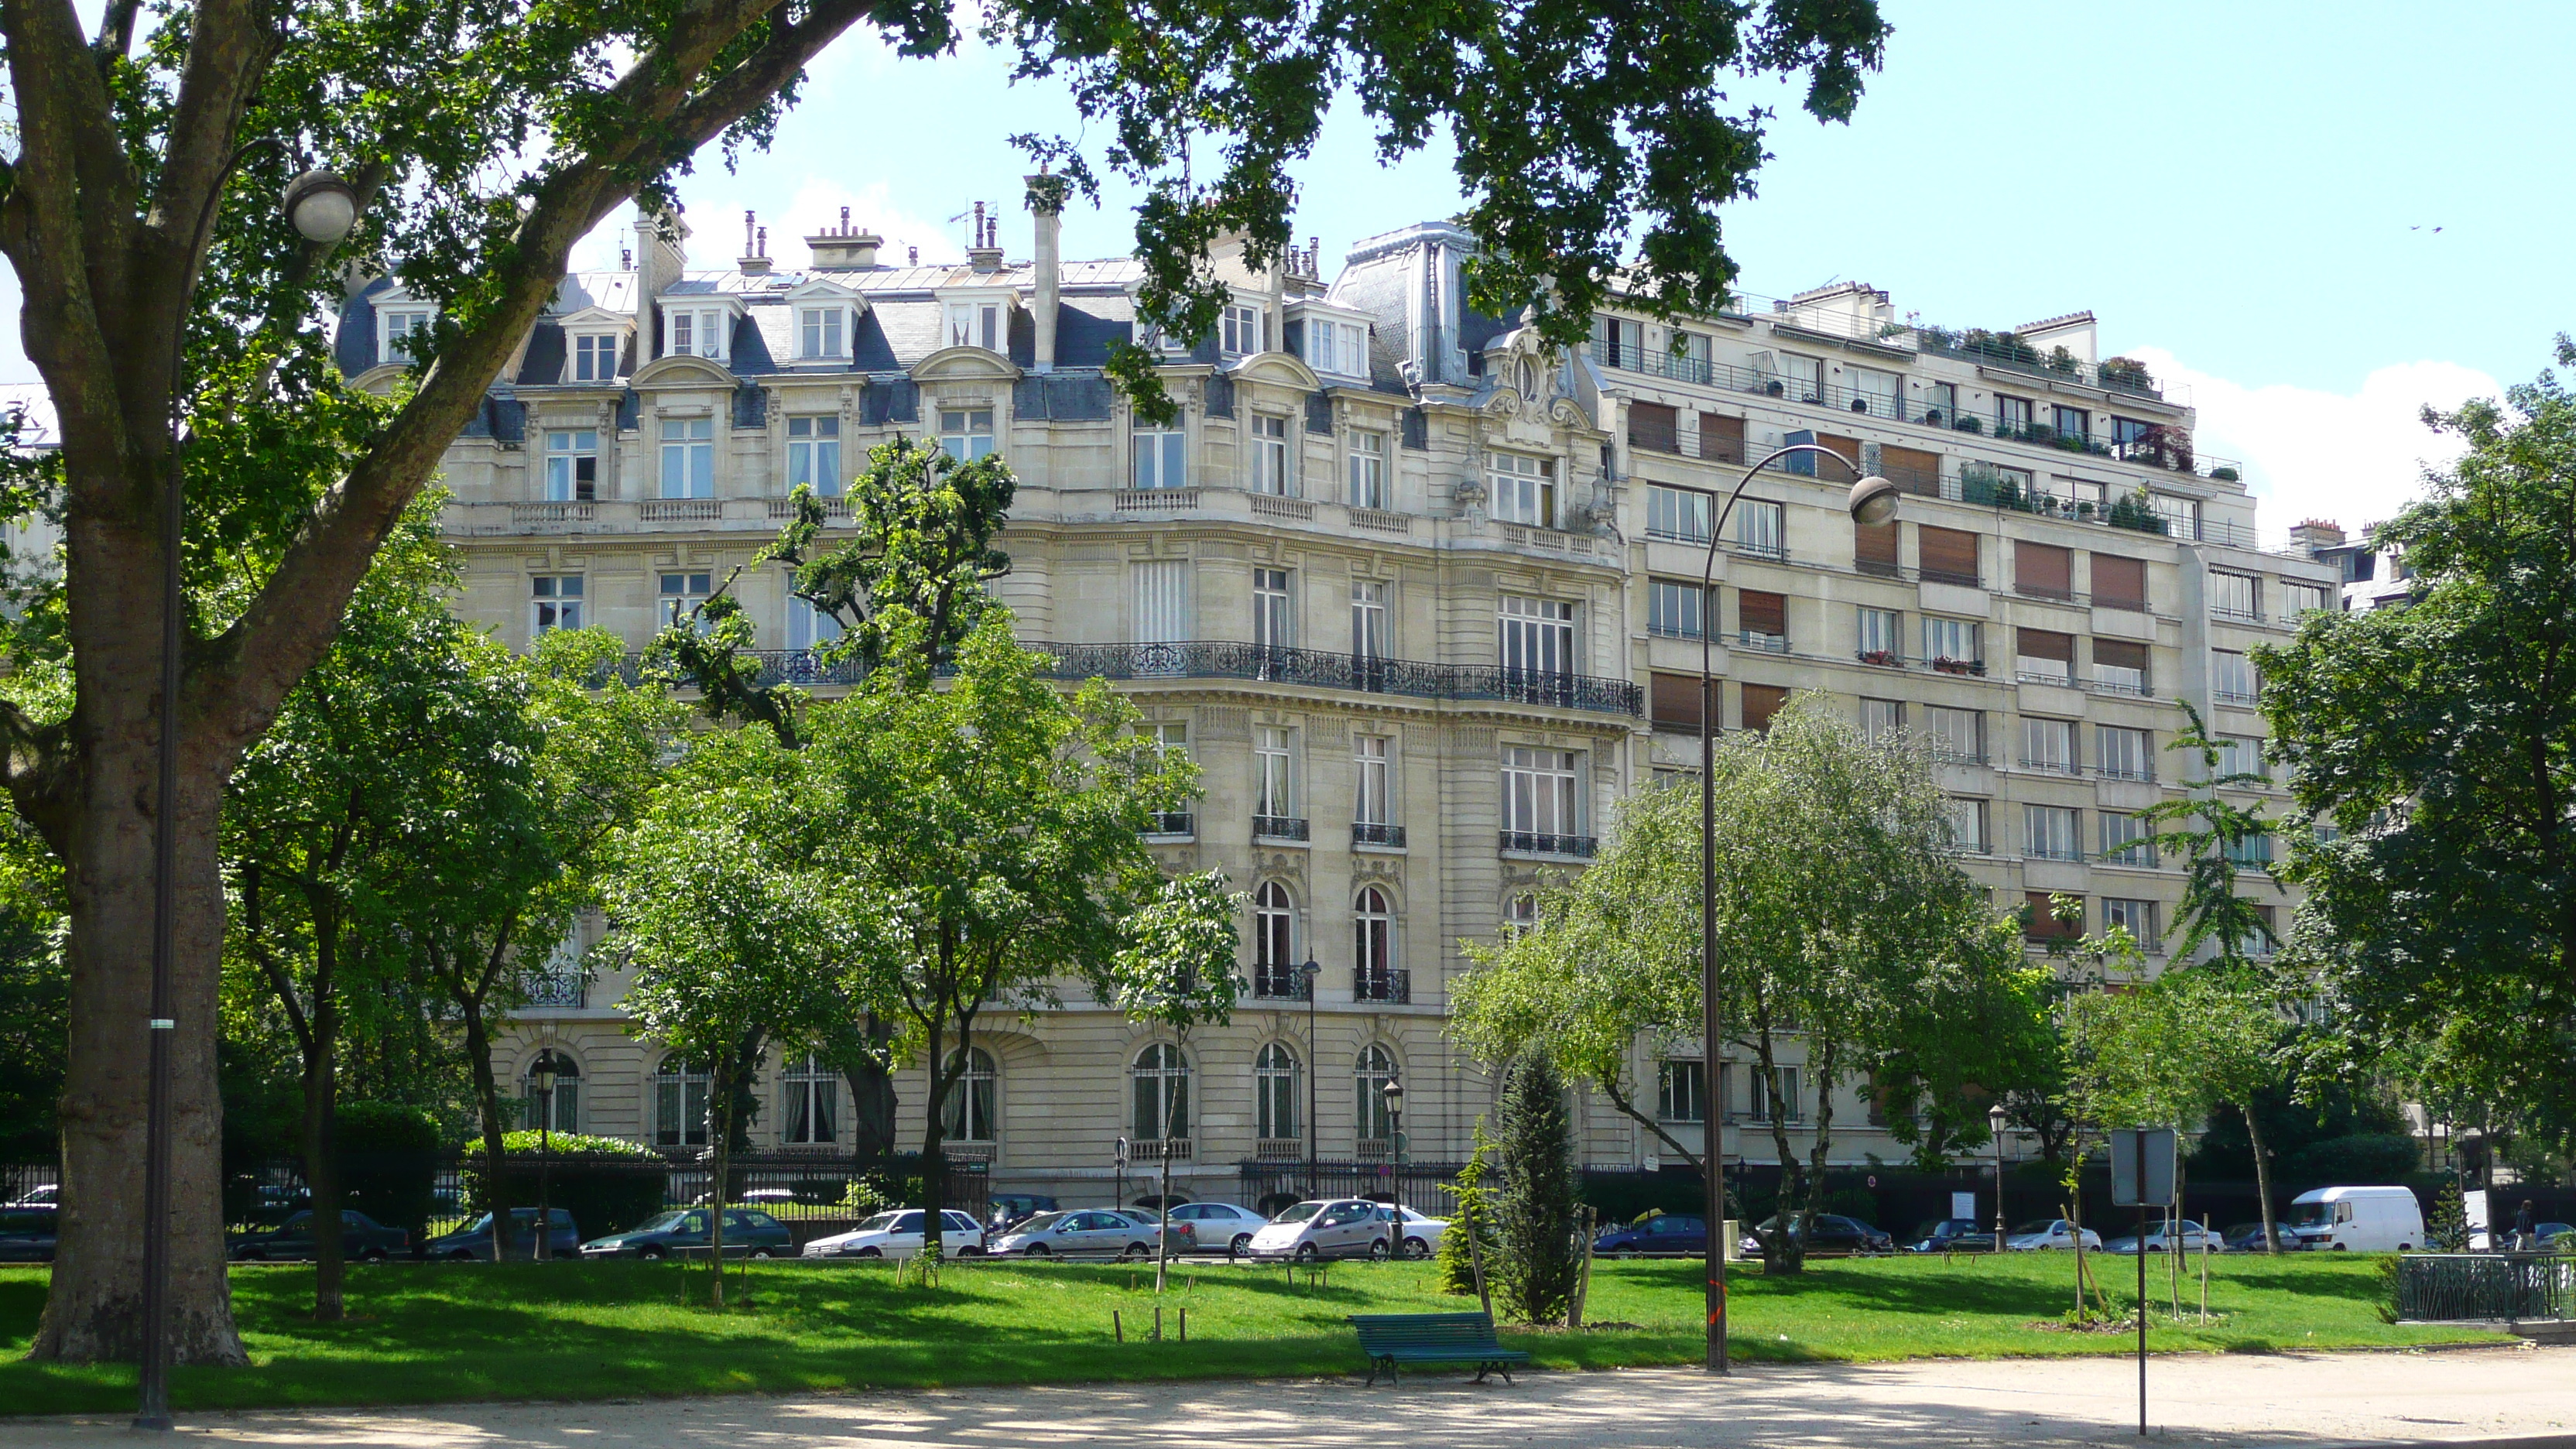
{"x": 2351, "y": 458}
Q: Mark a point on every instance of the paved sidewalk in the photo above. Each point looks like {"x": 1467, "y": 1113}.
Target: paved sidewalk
{"x": 2302, "y": 1399}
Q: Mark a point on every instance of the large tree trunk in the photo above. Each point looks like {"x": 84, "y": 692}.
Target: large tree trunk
{"x": 2262, "y": 1176}
{"x": 321, "y": 1170}
{"x": 1824, "y": 1074}
{"x": 94, "y": 1309}
{"x": 720, "y": 1141}
{"x": 934, "y": 1137}
{"x": 872, "y": 1095}
{"x": 487, "y": 1097}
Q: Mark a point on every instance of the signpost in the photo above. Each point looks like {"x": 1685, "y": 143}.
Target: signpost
{"x": 2142, "y": 1176}
{"x": 1118, "y": 1166}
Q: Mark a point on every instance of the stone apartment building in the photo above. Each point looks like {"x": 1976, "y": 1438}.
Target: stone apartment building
{"x": 1420, "y": 599}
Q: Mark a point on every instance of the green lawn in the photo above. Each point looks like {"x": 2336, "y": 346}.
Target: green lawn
{"x": 431, "y": 1333}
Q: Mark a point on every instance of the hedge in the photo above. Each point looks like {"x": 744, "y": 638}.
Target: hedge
{"x": 608, "y": 1185}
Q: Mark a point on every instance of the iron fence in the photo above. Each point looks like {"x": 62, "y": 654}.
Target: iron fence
{"x": 2451, "y": 1287}
{"x": 1270, "y": 1183}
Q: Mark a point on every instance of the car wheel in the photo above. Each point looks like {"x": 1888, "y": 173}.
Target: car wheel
{"x": 460, "y": 1256}
{"x": 1377, "y": 1250}
{"x": 1306, "y": 1253}
{"x": 2339, "y": 1247}
{"x": 1134, "y": 1251}
{"x": 764, "y": 1253}
{"x": 1039, "y": 1250}
{"x": 375, "y": 1255}
{"x": 1241, "y": 1245}
{"x": 1416, "y": 1249}
{"x": 871, "y": 1253}
{"x": 1624, "y": 1254}
{"x": 652, "y": 1250}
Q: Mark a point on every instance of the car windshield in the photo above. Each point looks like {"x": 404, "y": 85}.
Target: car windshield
{"x": 1302, "y": 1212}
{"x": 482, "y": 1224}
{"x": 667, "y": 1223}
{"x": 2040, "y": 1226}
{"x": 2311, "y": 1214}
{"x": 1041, "y": 1222}
{"x": 877, "y": 1224}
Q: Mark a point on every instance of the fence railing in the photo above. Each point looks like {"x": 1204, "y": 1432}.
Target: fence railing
{"x": 1270, "y": 1183}
{"x": 2448, "y": 1287}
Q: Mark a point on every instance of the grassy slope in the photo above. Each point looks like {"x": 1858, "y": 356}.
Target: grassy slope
{"x": 427, "y": 1334}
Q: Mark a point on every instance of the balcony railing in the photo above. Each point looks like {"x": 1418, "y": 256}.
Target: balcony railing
{"x": 1370, "y": 833}
{"x": 1323, "y": 669}
{"x": 1172, "y": 822}
{"x": 1762, "y": 643}
{"x": 1278, "y": 827}
{"x": 1534, "y": 842}
{"x": 1392, "y": 984}
{"x": 1278, "y": 981}
{"x": 1279, "y": 1149}
{"x": 555, "y": 989}
{"x": 1155, "y": 1149}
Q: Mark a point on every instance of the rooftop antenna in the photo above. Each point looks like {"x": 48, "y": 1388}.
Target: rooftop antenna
{"x": 746, "y": 235}
{"x": 912, "y": 256}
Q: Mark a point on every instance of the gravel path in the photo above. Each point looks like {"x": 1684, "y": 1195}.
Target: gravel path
{"x": 2301, "y": 1399}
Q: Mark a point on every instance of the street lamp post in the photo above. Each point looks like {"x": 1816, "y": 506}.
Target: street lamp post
{"x": 1308, "y": 973}
{"x": 1995, "y": 1124}
{"x": 1872, "y": 501}
{"x": 1393, "y": 1091}
{"x": 323, "y": 209}
{"x": 544, "y": 1077}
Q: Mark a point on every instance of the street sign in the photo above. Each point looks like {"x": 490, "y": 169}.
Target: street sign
{"x": 1963, "y": 1205}
{"x": 1120, "y": 1155}
{"x": 2142, "y": 1166}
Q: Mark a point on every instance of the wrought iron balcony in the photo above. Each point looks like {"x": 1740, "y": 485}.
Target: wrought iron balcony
{"x": 1173, "y": 822}
{"x": 1382, "y": 983}
{"x": 1278, "y": 827}
{"x": 1278, "y": 981}
{"x": 1364, "y": 833}
{"x": 1532, "y": 842}
{"x": 555, "y": 989}
{"x": 1324, "y": 669}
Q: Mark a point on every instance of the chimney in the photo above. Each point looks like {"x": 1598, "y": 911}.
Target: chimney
{"x": 983, "y": 256}
{"x": 845, "y": 248}
{"x": 663, "y": 241}
{"x": 2313, "y": 534}
{"x": 755, "y": 251}
{"x": 1046, "y": 205}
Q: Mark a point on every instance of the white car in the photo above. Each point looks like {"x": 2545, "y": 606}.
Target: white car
{"x": 49, "y": 1195}
{"x": 2192, "y": 1237}
{"x": 898, "y": 1235}
{"x": 2049, "y": 1233}
{"x": 1214, "y": 1223}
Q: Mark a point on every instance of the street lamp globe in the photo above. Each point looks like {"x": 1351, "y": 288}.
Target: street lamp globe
{"x": 1995, "y": 1118}
{"x": 322, "y": 207}
{"x": 1873, "y": 501}
{"x": 1394, "y": 1092}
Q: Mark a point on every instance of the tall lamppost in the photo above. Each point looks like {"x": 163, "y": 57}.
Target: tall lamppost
{"x": 1995, "y": 1125}
{"x": 544, "y": 1079}
{"x": 1393, "y": 1091}
{"x": 323, "y": 209}
{"x": 1872, "y": 501}
{"x": 1308, "y": 974}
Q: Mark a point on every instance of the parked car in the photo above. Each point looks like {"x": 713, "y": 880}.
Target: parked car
{"x": 2191, "y": 1237}
{"x": 1829, "y": 1233}
{"x": 1349, "y": 1227}
{"x": 898, "y": 1234}
{"x": 474, "y": 1240}
{"x": 1213, "y": 1223}
{"x": 27, "y": 1234}
{"x": 2049, "y": 1234}
{"x": 1018, "y": 1207}
{"x": 361, "y": 1237}
{"x": 2248, "y": 1238}
{"x": 1663, "y": 1235}
{"x": 2555, "y": 1237}
{"x": 46, "y": 1196}
{"x": 1085, "y": 1230}
{"x": 748, "y": 1231}
{"x": 2358, "y": 1219}
{"x": 1953, "y": 1235}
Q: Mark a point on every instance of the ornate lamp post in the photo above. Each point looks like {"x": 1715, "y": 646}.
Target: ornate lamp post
{"x": 1995, "y": 1125}
{"x": 1308, "y": 973}
{"x": 544, "y": 1078}
{"x": 1872, "y": 501}
{"x": 1393, "y": 1091}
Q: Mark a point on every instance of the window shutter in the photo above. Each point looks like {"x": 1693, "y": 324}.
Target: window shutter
{"x": 1830, "y": 471}
{"x": 2045, "y": 644}
{"x": 2044, "y": 926}
{"x": 1655, "y": 426}
{"x": 1911, "y": 469}
{"x": 1761, "y": 702}
{"x": 1760, "y": 613}
{"x": 1950, "y": 556}
{"x": 2120, "y": 654}
{"x": 2119, "y": 583}
{"x": 1721, "y": 438}
{"x": 1874, "y": 548}
{"x": 2044, "y": 570}
{"x": 1676, "y": 701}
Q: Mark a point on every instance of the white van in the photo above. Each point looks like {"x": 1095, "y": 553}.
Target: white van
{"x": 2357, "y": 1220}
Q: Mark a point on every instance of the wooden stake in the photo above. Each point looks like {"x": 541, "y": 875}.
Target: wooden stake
{"x": 1158, "y": 1323}
{"x": 1117, "y": 1330}
{"x": 1185, "y": 1323}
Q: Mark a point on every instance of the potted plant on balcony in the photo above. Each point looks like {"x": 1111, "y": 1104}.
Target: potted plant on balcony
{"x": 2223, "y": 473}
{"x": 2132, "y": 510}
{"x": 1887, "y": 657}
{"x": 1776, "y": 388}
{"x": 1931, "y": 417}
{"x": 1947, "y": 665}
{"x": 1966, "y": 424}
{"x": 2125, "y": 373}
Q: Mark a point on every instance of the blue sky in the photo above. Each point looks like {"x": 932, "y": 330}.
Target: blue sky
{"x": 2246, "y": 193}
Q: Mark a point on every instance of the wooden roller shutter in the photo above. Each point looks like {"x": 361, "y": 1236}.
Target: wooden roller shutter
{"x": 1655, "y": 426}
{"x": 2045, "y": 644}
{"x": 1721, "y": 438}
{"x": 2044, "y": 571}
{"x": 1949, "y": 557}
{"x": 2119, "y": 583}
{"x": 1874, "y": 548}
{"x": 1761, "y": 702}
{"x": 1675, "y": 700}
{"x": 1760, "y": 613}
{"x": 1829, "y": 471}
{"x": 2120, "y": 654}
{"x": 1912, "y": 470}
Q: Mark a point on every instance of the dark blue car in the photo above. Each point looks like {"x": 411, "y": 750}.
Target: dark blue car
{"x": 748, "y": 1233}
{"x": 474, "y": 1240}
{"x": 27, "y": 1234}
{"x": 1663, "y": 1235}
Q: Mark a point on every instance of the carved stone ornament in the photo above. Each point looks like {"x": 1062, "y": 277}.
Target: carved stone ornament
{"x": 1503, "y": 404}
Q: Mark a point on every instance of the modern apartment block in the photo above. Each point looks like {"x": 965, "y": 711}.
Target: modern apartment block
{"x": 1419, "y": 597}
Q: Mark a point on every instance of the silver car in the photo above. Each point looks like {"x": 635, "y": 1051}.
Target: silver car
{"x": 1346, "y": 1227}
{"x": 1081, "y": 1231}
{"x": 1223, "y": 1224}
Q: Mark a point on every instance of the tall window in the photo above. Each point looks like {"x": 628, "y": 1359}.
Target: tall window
{"x": 1373, "y": 942}
{"x": 2234, "y": 596}
{"x": 2238, "y": 755}
{"x": 1806, "y": 377}
{"x": 2137, "y": 917}
{"x": 1536, "y": 635}
{"x": 680, "y": 1103}
{"x": 2071, "y": 422}
{"x": 1941, "y": 403}
{"x": 1520, "y": 915}
{"x": 1368, "y": 470}
{"x": 1882, "y": 634}
{"x": 1274, "y": 1093}
{"x": 2298, "y": 598}
{"x": 1880, "y": 718}
{"x": 400, "y": 330}
{"x": 1273, "y": 623}
{"x": 2232, "y": 677}
{"x": 1681, "y": 1091}
{"x": 700, "y": 333}
{"x": 554, "y": 602}
{"x": 1160, "y": 1090}
{"x": 814, "y": 453}
{"x": 594, "y": 357}
{"x": 2124, "y": 754}
{"x": 682, "y": 593}
{"x": 1954, "y": 734}
{"x": 1162, "y": 601}
{"x": 1241, "y": 332}
{"x": 559, "y": 1110}
{"x": 975, "y": 324}
{"x": 1524, "y": 489}
{"x": 966, "y": 434}
{"x": 1680, "y": 514}
{"x": 819, "y": 331}
{"x": 2053, "y": 833}
{"x": 572, "y": 466}
{"x": 1372, "y": 759}
{"x": 1376, "y": 1068}
{"x": 1274, "y": 951}
{"x": 1779, "y": 1094}
{"x": 2048, "y": 744}
{"x": 1340, "y": 347}
{"x": 1618, "y": 342}
{"x": 809, "y": 627}
{"x": 1958, "y": 640}
{"x": 2012, "y": 416}
{"x": 1673, "y": 608}
{"x": 1371, "y": 637}
{"x": 1968, "y": 824}
{"x": 1757, "y": 528}
{"x": 1273, "y": 753}
{"x": 1539, "y": 797}
{"x": 1161, "y": 455}
{"x": 688, "y": 457}
{"x": 809, "y": 1101}
{"x": 969, "y": 1112}
{"x": 1883, "y": 392}
{"x": 1270, "y": 454}
{"x": 2125, "y": 839}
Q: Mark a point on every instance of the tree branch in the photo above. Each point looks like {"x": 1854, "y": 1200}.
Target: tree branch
{"x": 1620, "y": 1100}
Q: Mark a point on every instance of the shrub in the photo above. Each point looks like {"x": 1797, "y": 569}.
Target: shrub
{"x": 2223, "y": 473}
{"x": 607, "y": 1184}
{"x": 388, "y": 1157}
{"x": 1534, "y": 1210}
{"x": 1475, "y": 1214}
{"x": 2448, "y": 1230}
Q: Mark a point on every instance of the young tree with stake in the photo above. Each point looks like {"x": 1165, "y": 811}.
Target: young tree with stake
{"x": 1175, "y": 972}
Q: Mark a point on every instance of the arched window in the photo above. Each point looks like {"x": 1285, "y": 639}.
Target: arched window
{"x": 1520, "y": 915}
{"x": 1274, "y": 952}
{"x": 561, "y": 1109}
{"x": 969, "y": 1113}
{"x": 1373, "y": 975}
{"x": 680, "y": 1103}
{"x": 1274, "y": 1092}
{"x": 1162, "y": 1093}
{"x": 810, "y": 1106}
{"x": 1376, "y": 1069}
{"x": 1525, "y": 379}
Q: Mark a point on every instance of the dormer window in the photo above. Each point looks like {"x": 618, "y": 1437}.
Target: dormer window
{"x": 1337, "y": 347}
{"x": 401, "y": 325}
{"x": 594, "y": 357}
{"x": 822, "y": 332}
{"x": 1242, "y": 332}
{"x": 975, "y": 324}
{"x": 695, "y": 331}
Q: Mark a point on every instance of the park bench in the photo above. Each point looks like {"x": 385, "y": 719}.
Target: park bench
{"x": 1393, "y": 1338}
